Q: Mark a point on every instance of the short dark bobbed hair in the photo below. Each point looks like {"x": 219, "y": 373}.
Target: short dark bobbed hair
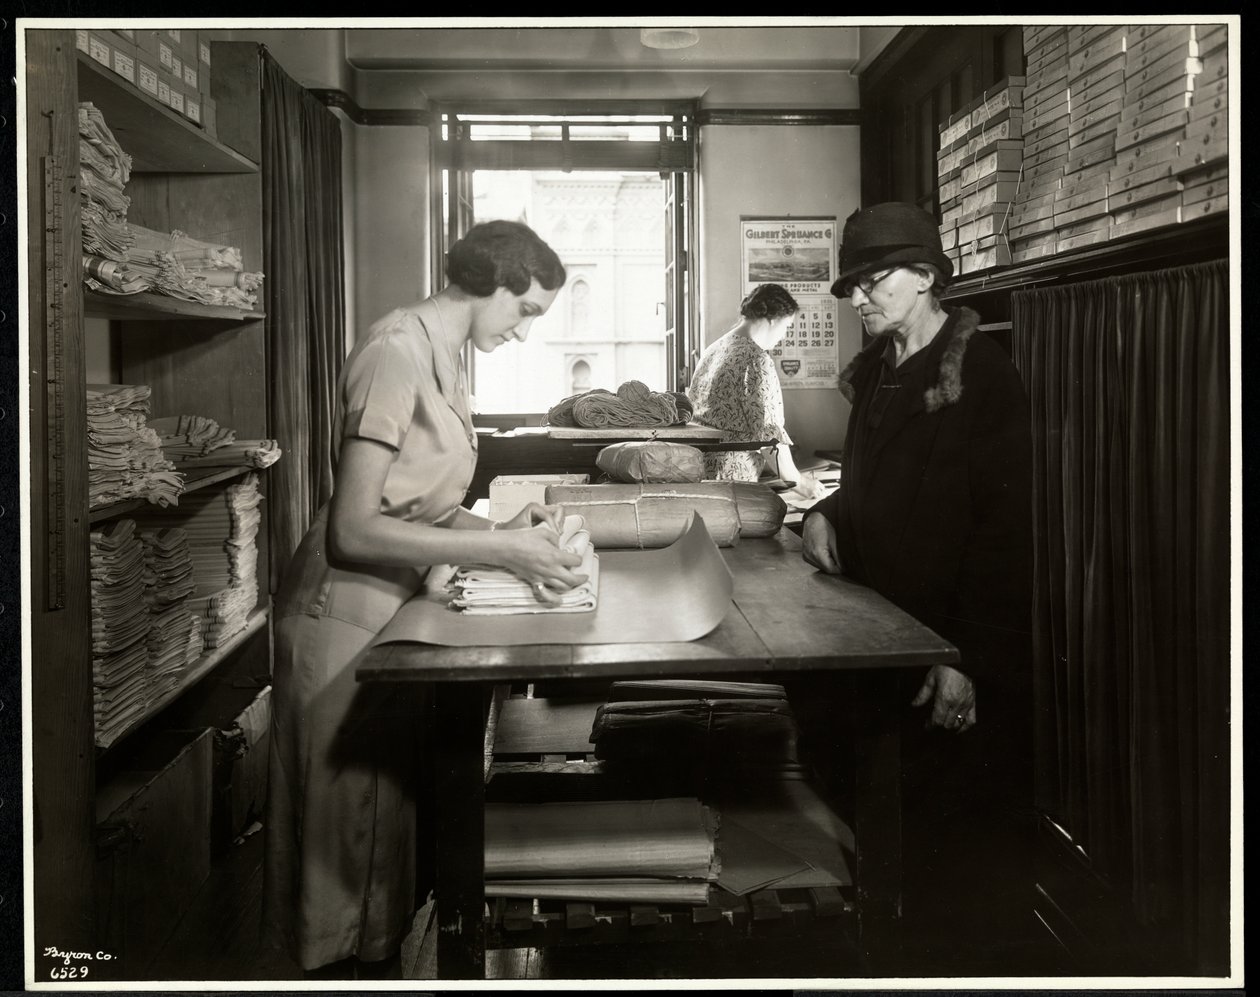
{"x": 768, "y": 301}
{"x": 503, "y": 254}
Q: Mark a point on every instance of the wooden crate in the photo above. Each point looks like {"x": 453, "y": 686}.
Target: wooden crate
{"x": 152, "y": 846}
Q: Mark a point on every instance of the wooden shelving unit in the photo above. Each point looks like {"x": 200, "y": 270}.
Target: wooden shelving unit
{"x": 196, "y": 358}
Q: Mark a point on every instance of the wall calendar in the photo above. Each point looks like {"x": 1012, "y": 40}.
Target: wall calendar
{"x": 799, "y": 254}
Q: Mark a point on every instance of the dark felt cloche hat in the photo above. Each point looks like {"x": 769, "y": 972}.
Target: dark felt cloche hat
{"x": 885, "y": 235}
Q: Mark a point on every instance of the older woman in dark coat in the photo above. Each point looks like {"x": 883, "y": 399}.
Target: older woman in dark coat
{"x": 934, "y": 512}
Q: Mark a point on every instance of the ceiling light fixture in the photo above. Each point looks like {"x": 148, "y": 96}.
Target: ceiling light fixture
{"x": 669, "y": 37}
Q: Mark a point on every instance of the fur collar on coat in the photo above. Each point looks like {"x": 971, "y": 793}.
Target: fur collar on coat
{"x": 948, "y": 388}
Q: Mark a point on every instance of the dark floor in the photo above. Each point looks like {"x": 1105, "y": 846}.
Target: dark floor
{"x": 219, "y": 939}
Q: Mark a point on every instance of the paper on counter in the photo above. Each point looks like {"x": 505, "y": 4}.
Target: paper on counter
{"x": 671, "y": 594}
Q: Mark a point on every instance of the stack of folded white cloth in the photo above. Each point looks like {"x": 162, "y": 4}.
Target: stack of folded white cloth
{"x": 483, "y": 590}
{"x": 104, "y": 169}
{"x": 175, "y": 633}
{"x": 221, "y": 527}
{"x": 198, "y": 441}
{"x": 120, "y": 627}
{"x": 125, "y": 457}
{"x": 188, "y": 268}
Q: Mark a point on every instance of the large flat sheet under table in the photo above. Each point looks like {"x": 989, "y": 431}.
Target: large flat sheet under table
{"x": 673, "y": 594}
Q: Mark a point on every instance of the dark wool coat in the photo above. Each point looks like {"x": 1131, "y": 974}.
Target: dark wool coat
{"x": 944, "y": 499}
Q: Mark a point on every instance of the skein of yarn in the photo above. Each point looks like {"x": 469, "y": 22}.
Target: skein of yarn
{"x": 633, "y": 405}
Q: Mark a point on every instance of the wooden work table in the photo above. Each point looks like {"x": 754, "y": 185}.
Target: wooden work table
{"x": 786, "y": 617}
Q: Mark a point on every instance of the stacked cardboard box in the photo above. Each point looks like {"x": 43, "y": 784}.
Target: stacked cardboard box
{"x": 1045, "y": 141}
{"x": 1202, "y": 163}
{"x": 1125, "y": 129}
{"x": 1095, "y": 84}
{"x": 170, "y": 65}
{"x": 1143, "y": 191}
{"x": 978, "y": 172}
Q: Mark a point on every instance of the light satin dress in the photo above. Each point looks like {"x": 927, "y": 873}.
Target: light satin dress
{"x": 341, "y": 812}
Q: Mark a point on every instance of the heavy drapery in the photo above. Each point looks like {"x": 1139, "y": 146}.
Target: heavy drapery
{"x": 301, "y": 165}
{"x": 1128, "y": 381}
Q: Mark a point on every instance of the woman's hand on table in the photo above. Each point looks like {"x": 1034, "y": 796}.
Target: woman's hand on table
{"x": 818, "y": 540}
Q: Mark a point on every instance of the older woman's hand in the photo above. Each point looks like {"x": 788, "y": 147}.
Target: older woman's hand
{"x": 953, "y": 698}
{"x": 818, "y": 539}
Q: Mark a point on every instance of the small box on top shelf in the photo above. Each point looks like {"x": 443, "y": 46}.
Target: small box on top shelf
{"x": 1209, "y": 38}
{"x": 1147, "y": 49}
{"x": 1166, "y": 127}
{"x": 1204, "y": 142}
{"x": 1166, "y": 77}
{"x": 1155, "y": 213}
{"x": 1045, "y": 65}
{"x": 122, "y": 59}
{"x": 1097, "y": 85}
{"x": 1033, "y": 210}
{"x": 147, "y": 75}
{"x": 1036, "y": 35}
{"x": 98, "y": 45}
{"x": 1101, "y": 56}
{"x": 1046, "y": 88}
{"x": 984, "y": 254}
{"x": 1081, "y": 36}
{"x": 1034, "y": 247}
{"x": 1093, "y": 153}
{"x": 1084, "y": 234}
{"x": 1205, "y": 184}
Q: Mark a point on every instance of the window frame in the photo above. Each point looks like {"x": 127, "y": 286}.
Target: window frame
{"x": 454, "y": 159}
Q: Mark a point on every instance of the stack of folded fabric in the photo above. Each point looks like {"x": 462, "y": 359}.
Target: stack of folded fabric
{"x": 709, "y": 721}
{"x": 221, "y": 527}
{"x": 124, "y": 454}
{"x": 647, "y": 851}
{"x": 174, "y": 639}
{"x": 489, "y": 591}
{"x": 120, "y": 627}
{"x": 188, "y": 268}
{"x": 104, "y": 170}
{"x": 199, "y": 441}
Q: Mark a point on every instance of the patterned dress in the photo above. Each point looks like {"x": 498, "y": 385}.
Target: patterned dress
{"x": 736, "y": 389}
{"x": 341, "y": 818}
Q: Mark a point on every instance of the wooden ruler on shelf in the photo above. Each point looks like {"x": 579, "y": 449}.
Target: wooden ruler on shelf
{"x": 55, "y": 380}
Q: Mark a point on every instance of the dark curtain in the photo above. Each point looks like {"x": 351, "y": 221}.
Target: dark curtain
{"x": 1128, "y": 381}
{"x": 305, "y": 300}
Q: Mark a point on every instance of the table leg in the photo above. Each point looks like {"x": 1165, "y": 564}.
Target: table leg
{"x": 877, "y": 812}
{"x": 460, "y": 839}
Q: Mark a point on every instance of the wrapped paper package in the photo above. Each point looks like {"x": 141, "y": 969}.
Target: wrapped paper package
{"x": 644, "y": 516}
{"x": 651, "y": 462}
{"x": 672, "y": 719}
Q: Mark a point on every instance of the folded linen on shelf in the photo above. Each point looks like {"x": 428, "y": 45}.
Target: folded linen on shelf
{"x": 124, "y": 454}
{"x": 491, "y": 591}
